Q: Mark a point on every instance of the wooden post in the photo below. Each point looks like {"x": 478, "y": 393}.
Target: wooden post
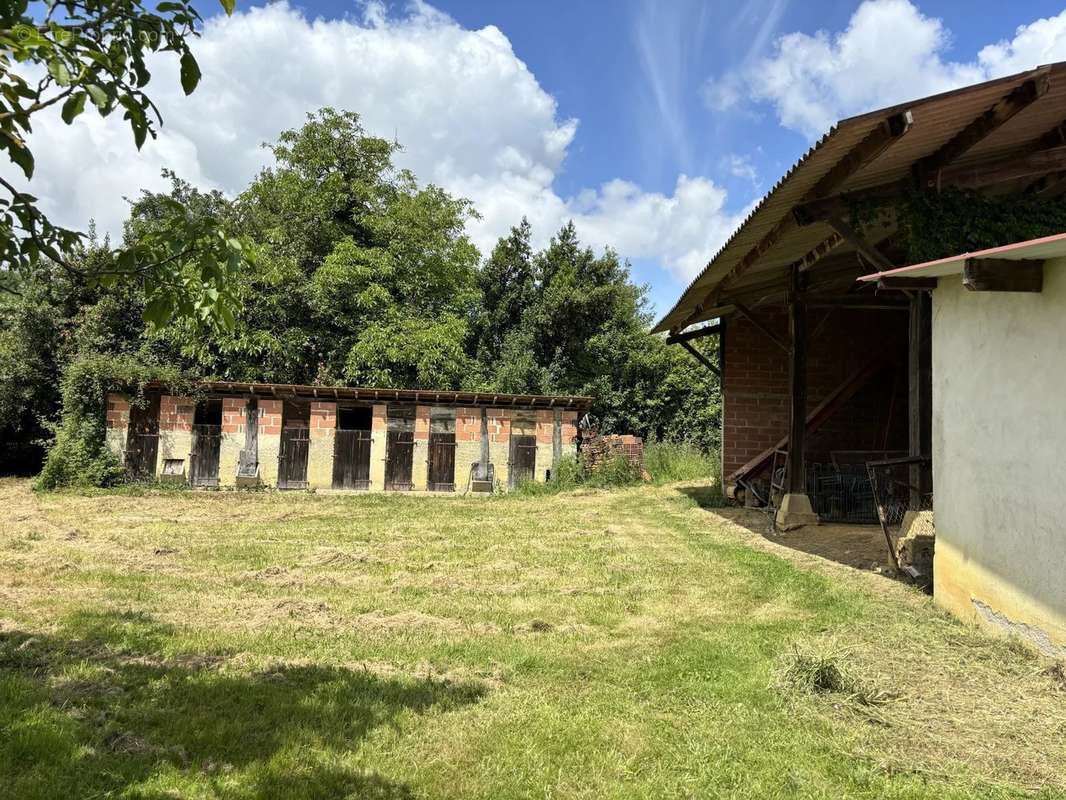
{"x": 557, "y": 438}
{"x": 914, "y": 396}
{"x": 797, "y": 386}
{"x": 483, "y": 463}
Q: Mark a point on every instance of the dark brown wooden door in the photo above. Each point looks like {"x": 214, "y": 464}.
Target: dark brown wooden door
{"x": 399, "y": 459}
{"x": 523, "y": 458}
{"x": 292, "y": 460}
{"x": 441, "y": 462}
{"x": 351, "y": 460}
{"x": 203, "y": 462}
{"x": 142, "y": 440}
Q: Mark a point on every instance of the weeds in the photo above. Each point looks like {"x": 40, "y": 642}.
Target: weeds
{"x": 827, "y": 672}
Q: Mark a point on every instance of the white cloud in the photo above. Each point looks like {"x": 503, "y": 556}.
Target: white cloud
{"x": 469, "y": 113}
{"x": 889, "y": 53}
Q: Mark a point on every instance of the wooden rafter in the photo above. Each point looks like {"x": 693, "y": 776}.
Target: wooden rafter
{"x": 1008, "y": 168}
{"x": 862, "y": 247}
{"x": 926, "y": 170}
{"x": 875, "y": 143}
{"x": 701, "y": 358}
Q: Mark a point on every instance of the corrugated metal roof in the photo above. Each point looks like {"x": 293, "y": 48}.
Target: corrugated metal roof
{"x": 365, "y": 394}
{"x": 936, "y": 120}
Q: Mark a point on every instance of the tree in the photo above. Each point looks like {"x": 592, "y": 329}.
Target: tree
{"x": 79, "y": 52}
{"x": 565, "y": 321}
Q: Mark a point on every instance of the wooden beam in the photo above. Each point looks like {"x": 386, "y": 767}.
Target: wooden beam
{"x": 855, "y": 239}
{"x": 1008, "y": 168}
{"x": 903, "y": 283}
{"x": 701, "y": 358}
{"x": 874, "y": 144}
{"x": 914, "y": 395}
{"x": 819, "y": 251}
{"x": 699, "y": 333}
{"x": 925, "y": 171}
{"x": 746, "y": 312}
{"x": 1002, "y": 275}
{"x": 796, "y": 479}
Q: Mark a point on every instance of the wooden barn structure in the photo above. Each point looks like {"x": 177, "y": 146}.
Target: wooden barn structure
{"x": 817, "y": 367}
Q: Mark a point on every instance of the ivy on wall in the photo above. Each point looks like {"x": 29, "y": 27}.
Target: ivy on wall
{"x": 950, "y": 222}
{"x": 80, "y": 456}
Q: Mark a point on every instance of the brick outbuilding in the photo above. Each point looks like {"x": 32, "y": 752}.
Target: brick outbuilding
{"x": 313, "y": 437}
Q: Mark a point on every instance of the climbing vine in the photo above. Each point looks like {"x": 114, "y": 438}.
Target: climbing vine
{"x": 952, "y": 221}
{"x": 79, "y": 457}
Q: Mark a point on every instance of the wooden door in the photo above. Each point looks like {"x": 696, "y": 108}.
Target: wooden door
{"x": 441, "y": 462}
{"x": 142, "y": 440}
{"x": 206, "y": 448}
{"x": 295, "y": 443}
{"x": 523, "y": 458}
{"x": 351, "y": 460}
{"x": 399, "y": 460}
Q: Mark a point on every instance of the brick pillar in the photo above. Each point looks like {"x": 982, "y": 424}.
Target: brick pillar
{"x": 118, "y": 423}
{"x": 320, "y": 450}
{"x": 420, "y": 459}
{"x": 234, "y": 417}
{"x": 500, "y": 443}
{"x": 467, "y": 444}
{"x": 545, "y": 443}
{"x": 569, "y": 433}
{"x": 378, "y": 442}
{"x": 269, "y": 440}
{"x": 175, "y": 431}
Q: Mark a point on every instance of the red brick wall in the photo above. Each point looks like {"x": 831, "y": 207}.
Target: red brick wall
{"x": 270, "y": 412}
{"x": 323, "y": 419}
{"x": 468, "y": 424}
{"x": 499, "y": 425}
{"x": 421, "y": 423}
{"x": 176, "y": 413}
{"x": 234, "y": 414}
{"x": 755, "y": 389}
{"x": 118, "y": 412}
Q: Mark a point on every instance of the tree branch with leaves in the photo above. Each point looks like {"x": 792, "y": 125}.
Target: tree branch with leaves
{"x": 93, "y": 54}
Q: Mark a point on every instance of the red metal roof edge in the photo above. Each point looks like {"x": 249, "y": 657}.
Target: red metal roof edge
{"x": 991, "y": 251}
{"x": 417, "y": 395}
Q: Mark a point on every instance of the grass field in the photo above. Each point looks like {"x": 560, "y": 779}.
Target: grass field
{"x": 589, "y": 645}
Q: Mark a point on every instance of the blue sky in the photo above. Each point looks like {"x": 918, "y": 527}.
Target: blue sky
{"x": 655, "y": 125}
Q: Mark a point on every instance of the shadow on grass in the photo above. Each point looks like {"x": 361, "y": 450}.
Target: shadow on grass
{"x": 101, "y": 713}
{"x": 707, "y": 497}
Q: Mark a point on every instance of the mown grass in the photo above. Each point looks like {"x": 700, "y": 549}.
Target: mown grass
{"x": 589, "y": 644}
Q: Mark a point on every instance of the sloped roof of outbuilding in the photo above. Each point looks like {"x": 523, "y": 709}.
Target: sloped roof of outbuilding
{"x": 756, "y": 260}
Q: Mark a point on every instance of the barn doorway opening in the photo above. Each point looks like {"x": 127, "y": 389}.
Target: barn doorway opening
{"x": 351, "y": 448}
{"x": 295, "y": 442}
{"x": 206, "y": 443}
{"x": 400, "y": 444}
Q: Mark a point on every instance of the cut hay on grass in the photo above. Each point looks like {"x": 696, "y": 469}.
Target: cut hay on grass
{"x": 632, "y": 643}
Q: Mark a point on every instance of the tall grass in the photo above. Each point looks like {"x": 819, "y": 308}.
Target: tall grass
{"x": 668, "y": 462}
{"x": 664, "y": 462}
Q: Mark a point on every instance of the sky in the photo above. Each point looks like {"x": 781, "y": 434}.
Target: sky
{"x": 654, "y": 126}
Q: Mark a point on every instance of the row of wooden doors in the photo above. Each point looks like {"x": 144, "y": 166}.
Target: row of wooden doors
{"x": 351, "y": 455}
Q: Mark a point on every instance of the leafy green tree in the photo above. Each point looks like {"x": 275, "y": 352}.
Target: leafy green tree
{"x": 92, "y": 54}
{"x": 578, "y": 325}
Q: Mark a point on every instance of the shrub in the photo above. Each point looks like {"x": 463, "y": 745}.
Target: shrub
{"x": 79, "y": 456}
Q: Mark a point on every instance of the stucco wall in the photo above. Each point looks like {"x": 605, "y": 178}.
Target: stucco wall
{"x": 175, "y": 431}
{"x": 117, "y": 424}
{"x": 999, "y": 434}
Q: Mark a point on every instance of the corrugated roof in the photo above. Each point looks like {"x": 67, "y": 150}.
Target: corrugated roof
{"x": 365, "y": 394}
{"x": 935, "y": 121}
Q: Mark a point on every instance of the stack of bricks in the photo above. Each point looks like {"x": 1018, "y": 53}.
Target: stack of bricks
{"x": 601, "y": 449}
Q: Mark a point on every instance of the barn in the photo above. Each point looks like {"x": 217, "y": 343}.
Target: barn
{"x": 344, "y": 438}
{"x": 928, "y": 397}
